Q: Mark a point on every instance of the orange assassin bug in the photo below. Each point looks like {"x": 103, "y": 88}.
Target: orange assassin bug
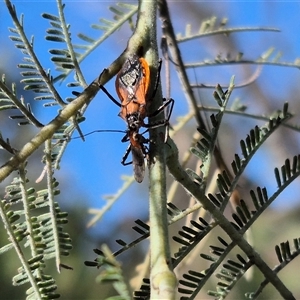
{"x": 132, "y": 85}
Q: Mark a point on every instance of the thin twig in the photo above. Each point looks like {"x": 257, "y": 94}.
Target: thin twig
{"x": 225, "y": 31}
{"x": 244, "y": 83}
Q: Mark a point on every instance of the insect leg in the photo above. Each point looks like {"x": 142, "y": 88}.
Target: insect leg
{"x": 159, "y": 110}
{"x": 157, "y": 79}
{"x": 138, "y": 151}
{"x": 164, "y": 122}
{"x": 124, "y": 158}
{"x": 125, "y": 138}
{"x": 109, "y": 95}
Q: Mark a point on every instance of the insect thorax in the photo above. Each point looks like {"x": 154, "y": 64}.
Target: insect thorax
{"x": 134, "y": 121}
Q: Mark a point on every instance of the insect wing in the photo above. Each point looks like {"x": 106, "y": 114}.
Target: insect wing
{"x": 143, "y": 85}
{"x": 133, "y": 80}
{"x": 138, "y": 162}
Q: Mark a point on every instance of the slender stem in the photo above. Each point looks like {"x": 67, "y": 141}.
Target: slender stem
{"x": 51, "y": 202}
{"x": 248, "y": 115}
{"x": 110, "y": 201}
{"x": 162, "y": 278}
{"x": 27, "y": 214}
{"x": 169, "y": 33}
{"x": 6, "y": 145}
{"x": 223, "y": 62}
{"x": 67, "y": 37}
{"x": 226, "y": 31}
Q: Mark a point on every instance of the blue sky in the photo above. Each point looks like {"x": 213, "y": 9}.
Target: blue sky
{"x": 91, "y": 174}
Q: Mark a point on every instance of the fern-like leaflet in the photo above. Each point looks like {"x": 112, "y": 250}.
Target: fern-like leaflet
{"x": 243, "y": 219}
{"x": 142, "y": 229}
{"x": 285, "y": 255}
{"x": 205, "y": 147}
{"x": 144, "y": 291}
{"x": 230, "y": 273}
{"x": 36, "y": 79}
{"x": 36, "y": 229}
{"x": 249, "y": 146}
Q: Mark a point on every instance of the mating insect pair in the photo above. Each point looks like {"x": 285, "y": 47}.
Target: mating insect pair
{"x": 132, "y": 86}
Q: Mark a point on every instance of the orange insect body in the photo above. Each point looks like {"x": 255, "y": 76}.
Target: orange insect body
{"x": 132, "y": 84}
